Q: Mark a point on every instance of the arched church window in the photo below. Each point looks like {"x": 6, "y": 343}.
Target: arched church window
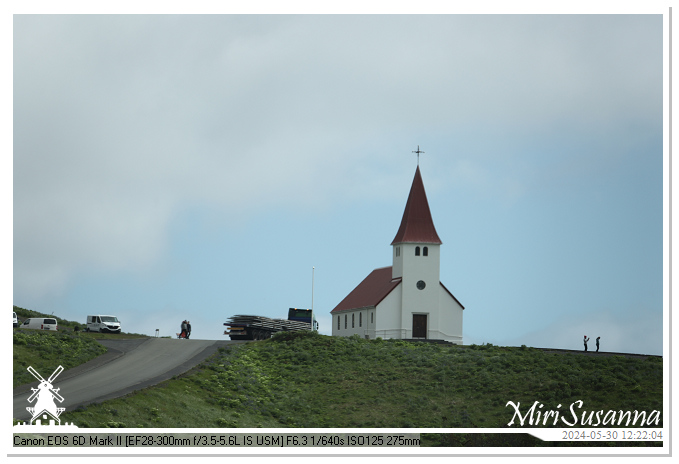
{"x": 425, "y": 251}
{"x": 360, "y": 319}
{"x": 345, "y": 321}
{"x": 338, "y": 322}
{"x": 417, "y": 251}
{"x": 353, "y": 318}
{"x": 372, "y": 318}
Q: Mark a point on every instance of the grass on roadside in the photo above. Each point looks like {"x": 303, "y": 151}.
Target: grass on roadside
{"x": 46, "y": 350}
{"x": 310, "y": 380}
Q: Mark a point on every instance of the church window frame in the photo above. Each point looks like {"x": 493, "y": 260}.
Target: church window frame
{"x": 353, "y": 320}
{"x": 417, "y": 251}
{"x": 372, "y": 317}
{"x": 345, "y": 321}
{"x": 339, "y": 318}
{"x": 360, "y": 319}
{"x": 425, "y": 251}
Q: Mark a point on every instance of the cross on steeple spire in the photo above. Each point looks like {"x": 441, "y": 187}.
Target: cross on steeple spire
{"x": 418, "y": 154}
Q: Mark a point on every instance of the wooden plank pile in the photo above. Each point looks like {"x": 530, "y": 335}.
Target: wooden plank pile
{"x": 261, "y": 322}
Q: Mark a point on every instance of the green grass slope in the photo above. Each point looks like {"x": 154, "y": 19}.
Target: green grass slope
{"x": 310, "y": 380}
{"x": 46, "y": 350}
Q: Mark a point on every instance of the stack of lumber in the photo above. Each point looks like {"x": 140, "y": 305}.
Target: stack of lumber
{"x": 274, "y": 325}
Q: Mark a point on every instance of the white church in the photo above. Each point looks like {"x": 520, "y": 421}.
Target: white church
{"x": 405, "y": 300}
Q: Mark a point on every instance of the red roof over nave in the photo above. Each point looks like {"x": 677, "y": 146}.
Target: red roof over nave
{"x": 371, "y": 291}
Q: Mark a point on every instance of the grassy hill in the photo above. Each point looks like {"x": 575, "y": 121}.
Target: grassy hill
{"x": 46, "y": 350}
{"x": 309, "y": 380}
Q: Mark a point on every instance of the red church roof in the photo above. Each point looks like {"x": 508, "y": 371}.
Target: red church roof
{"x": 417, "y": 225}
{"x": 371, "y": 291}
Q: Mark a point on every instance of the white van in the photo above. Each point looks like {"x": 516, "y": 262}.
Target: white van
{"x": 40, "y": 323}
{"x": 103, "y": 324}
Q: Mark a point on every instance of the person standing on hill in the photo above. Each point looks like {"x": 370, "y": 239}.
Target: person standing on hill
{"x": 188, "y": 329}
{"x": 182, "y": 334}
{"x": 586, "y": 340}
{"x": 597, "y": 344}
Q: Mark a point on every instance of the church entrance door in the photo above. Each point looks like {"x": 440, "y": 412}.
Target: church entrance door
{"x": 419, "y": 326}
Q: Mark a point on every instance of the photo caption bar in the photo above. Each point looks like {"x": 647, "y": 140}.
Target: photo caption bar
{"x": 184, "y": 440}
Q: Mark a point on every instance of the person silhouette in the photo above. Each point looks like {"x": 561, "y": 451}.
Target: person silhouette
{"x": 586, "y": 340}
{"x": 597, "y": 344}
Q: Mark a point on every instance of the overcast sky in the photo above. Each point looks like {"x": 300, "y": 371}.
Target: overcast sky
{"x": 197, "y": 167}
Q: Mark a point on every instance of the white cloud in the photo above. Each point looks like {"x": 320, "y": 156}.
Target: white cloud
{"x": 123, "y": 122}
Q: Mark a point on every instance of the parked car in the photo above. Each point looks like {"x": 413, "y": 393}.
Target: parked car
{"x": 16, "y": 319}
{"x": 103, "y": 324}
{"x": 40, "y": 323}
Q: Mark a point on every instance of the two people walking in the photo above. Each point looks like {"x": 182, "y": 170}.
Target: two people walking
{"x": 186, "y": 330}
{"x": 597, "y": 343}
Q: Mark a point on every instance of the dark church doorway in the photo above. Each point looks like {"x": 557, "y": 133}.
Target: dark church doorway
{"x": 419, "y": 326}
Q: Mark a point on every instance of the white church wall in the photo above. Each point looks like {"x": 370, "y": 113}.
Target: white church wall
{"x": 353, "y": 322}
{"x": 418, "y": 268}
{"x": 405, "y": 260}
{"x": 388, "y": 316}
{"x": 371, "y": 318}
{"x": 336, "y": 324}
{"x": 397, "y": 262}
{"x": 449, "y": 319}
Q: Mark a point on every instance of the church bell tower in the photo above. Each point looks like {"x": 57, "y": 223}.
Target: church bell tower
{"x": 416, "y": 255}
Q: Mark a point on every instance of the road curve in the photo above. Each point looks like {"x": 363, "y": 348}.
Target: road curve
{"x": 128, "y": 365}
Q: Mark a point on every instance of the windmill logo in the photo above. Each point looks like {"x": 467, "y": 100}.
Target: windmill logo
{"x": 44, "y": 397}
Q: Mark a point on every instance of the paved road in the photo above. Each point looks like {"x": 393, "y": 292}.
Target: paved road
{"x": 128, "y": 365}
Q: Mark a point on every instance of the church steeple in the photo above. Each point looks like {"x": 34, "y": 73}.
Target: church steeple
{"x": 416, "y": 247}
{"x": 417, "y": 225}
